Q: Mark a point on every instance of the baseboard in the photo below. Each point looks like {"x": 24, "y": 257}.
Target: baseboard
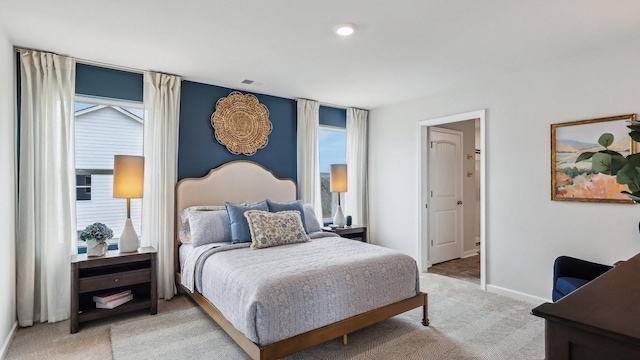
{"x": 7, "y": 341}
{"x": 517, "y": 295}
{"x": 470, "y": 253}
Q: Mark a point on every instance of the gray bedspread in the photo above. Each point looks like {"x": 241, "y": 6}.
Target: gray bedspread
{"x": 279, "y": 292}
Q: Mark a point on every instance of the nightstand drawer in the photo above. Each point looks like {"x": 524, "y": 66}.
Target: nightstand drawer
{"x": 110, "y": 281}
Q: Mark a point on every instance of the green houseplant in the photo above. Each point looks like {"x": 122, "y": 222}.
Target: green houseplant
{"x": 626, "y": 169}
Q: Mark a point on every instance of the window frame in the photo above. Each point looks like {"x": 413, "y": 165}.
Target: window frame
{"x": 335, "y": 129}
{"x": 84, "y": 187}
{"x": 103, "y": 101}
{"x": 108, "y": 101}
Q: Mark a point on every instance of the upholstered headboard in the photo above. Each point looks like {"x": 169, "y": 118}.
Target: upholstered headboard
{"x": 235, "y": 182}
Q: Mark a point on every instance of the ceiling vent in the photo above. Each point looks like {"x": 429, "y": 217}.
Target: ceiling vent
{"x": 251, "y": 82}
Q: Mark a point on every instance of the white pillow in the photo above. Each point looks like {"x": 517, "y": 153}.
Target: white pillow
{"x": 274, "y": 229}
{"x": 184, "y": 233}
{"x": 209, "y": 226}
{"x": 311, "y": 219}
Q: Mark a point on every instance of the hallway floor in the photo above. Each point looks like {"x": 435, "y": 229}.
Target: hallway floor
{"x": 467, "y": 269}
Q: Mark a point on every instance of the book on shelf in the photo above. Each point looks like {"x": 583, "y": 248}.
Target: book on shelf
{"x": 114, "y": 303}
{"x": 109, "y": 297}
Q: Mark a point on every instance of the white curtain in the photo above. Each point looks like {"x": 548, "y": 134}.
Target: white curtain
{"x": 46, "y": 236}
{"x": 162, "y": 108}
{"x": 356, "y": 199}
{"x": 308, "y": 155}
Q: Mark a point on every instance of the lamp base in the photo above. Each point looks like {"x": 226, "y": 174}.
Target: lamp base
{"x": 338, "y": 218}
{"x": 128, "y": 241}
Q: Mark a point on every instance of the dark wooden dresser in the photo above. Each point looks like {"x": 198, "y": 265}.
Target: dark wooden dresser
{"x": 601, "y": 320}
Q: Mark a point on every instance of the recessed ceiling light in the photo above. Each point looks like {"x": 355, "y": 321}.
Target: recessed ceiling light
{"x": 344, "y": 29}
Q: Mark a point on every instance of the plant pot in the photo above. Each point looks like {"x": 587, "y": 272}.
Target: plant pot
{"x": 96, "y": 248}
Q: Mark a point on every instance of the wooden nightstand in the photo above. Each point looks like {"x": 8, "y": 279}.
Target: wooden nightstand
{"x": 112, "y": 272}
{"x": 354, "y": 232}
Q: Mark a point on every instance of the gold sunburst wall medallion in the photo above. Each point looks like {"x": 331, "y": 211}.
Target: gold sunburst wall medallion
{"x": 241, "y": 123}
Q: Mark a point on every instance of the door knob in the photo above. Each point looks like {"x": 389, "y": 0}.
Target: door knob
{"x": 459, "y": 202}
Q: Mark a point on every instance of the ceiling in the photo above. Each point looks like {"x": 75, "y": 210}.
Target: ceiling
{"x": 402, "y": 49}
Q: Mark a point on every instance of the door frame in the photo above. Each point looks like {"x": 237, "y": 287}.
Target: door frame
{"x": 422, "y": 199}
{"x": 460, "y": 185}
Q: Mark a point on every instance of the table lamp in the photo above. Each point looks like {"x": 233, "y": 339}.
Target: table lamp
{"x": 338, "y": 183}
{"x": 128, "y": 182}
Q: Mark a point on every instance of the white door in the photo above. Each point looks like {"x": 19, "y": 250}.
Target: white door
{"x": 445, "y": 195}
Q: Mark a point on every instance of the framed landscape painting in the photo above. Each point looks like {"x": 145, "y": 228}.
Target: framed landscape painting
{"x": 577, "y": 181}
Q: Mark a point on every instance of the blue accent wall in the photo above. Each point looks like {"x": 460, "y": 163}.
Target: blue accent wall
{"x": 108, "y": 83}
{"x": 199, "y": 151}
{"x": 333, "y": 117}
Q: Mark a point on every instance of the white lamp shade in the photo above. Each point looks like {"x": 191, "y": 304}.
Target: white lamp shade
{"x": 128, "y": 176}
{"x": 338, "y": 178}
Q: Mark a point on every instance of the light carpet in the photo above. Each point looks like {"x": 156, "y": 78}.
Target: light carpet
{"x": 466, "y": 323}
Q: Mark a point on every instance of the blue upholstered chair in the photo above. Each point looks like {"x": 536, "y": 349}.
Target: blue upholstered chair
{"x": 570, "y": 273}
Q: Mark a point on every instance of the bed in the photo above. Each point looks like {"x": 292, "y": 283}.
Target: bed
{"x": 291, "y": 297}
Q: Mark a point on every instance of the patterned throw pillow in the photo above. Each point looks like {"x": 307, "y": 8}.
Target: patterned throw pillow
{"x": 295, "y": 205}
{"x": 274, "y": 229}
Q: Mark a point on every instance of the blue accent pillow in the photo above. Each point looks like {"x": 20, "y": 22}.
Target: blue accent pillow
{"x": 239, "y": 225}
{"x": 296, "y": 205}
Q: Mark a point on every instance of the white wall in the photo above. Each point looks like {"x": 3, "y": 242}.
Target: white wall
{"x": 526, "y": 231}
{"x": 469, "y": 185}
{"x": 7, "y": 193}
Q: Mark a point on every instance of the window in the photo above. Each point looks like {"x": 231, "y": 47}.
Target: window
{"x": 83, "y": 186}
{"x": 104, "y": 128}
{"x": 332, "y": 143}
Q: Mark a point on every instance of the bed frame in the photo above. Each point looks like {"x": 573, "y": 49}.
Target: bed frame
{"x": 240, "y": 181}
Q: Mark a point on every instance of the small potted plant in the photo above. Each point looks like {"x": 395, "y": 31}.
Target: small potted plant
{"x": 96, "y": 236}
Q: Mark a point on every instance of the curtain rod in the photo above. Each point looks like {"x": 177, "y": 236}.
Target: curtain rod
{"x": 97, "y": 63}
{"x": 332, "y": 105}
{"x": 339, "y": 106}
{"x": 84, "y": 61}
{"x": 321, "y": 103}
{"x": 122, "y": 68}
{"x": 110, "y": 66}
{"x": 138, "y": 71}
{"x": 18, "y": 48}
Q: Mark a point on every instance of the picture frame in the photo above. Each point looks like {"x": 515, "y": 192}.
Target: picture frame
{"x": 571, "y": 181}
